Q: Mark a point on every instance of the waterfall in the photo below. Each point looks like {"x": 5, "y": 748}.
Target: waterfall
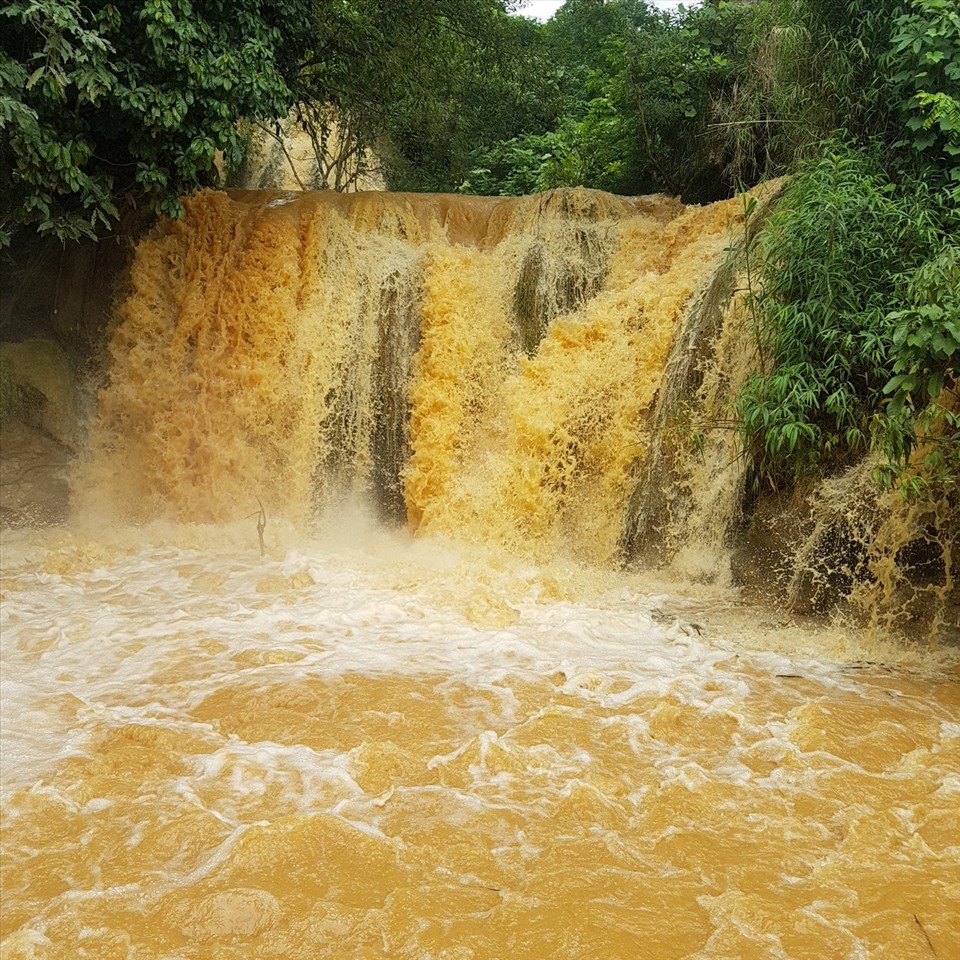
{"x": 663, "y": 517}
{"x": 686, "y": 507}
{"x": 484, "y": 368}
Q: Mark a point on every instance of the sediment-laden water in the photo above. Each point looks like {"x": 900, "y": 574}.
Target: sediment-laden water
{"x": 459, "y": 730}
{"x": 406, "y": 750}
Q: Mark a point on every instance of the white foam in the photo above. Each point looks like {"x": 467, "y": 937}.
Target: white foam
{"x": 103, "y": 634}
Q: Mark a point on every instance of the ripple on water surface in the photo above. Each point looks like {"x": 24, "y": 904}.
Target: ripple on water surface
{"x": 404, "y": 751}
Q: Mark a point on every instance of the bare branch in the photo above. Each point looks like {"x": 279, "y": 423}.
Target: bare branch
{"x": 283, "y": 147}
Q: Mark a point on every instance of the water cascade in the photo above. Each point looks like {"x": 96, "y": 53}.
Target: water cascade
{"x": 481, "y": 367}
{"x": 438, "y": 717}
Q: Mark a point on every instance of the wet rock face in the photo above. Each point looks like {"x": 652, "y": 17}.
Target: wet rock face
{"x": 40, "y": 388}
{"x": 39, "y": 428}
{"x": 843, "y": 545}
{"x": 33, "y": 485}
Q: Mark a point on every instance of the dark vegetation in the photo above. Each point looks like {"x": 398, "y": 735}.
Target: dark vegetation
{"x": 106, "y": 106}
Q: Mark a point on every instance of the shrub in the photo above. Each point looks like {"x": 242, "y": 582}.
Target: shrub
{"x": 832, "y": 261}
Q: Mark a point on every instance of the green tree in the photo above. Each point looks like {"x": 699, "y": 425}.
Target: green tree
{"x": 857, "y": 310}
{"x": 463, "y": 79}
{"x": 638, "y": 91}
{"x": 675, "y": 73}
{"x": 102, "y": 102}
{"x": 925, "y": 54}
{"x": 584, "y": 43}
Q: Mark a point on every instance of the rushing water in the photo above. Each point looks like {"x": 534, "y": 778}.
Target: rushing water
{"x": 472, "y": 737}
{"x": 403, "y": 749}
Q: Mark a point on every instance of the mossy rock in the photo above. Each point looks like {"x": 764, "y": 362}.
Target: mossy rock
{"x": 39, "y": 388}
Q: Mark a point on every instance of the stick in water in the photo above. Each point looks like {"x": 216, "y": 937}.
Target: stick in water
{"x": 926, "y": 936}
{"x": 261, "y": 516}
{"x": 261, "y": 526}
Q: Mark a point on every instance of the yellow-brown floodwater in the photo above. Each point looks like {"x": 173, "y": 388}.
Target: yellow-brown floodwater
{"x": 405, "y": 750}
{"x": 469, "y": 737}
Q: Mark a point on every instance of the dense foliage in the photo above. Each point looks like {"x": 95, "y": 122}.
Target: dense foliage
{"x": 417, "y": 81}
{"x": 688, "y": 102}
{"x": 831, "y": 260}
{"x": 857, "y": 307}
{"x": 856, "y": 302}
{"x": 101, "y": 101}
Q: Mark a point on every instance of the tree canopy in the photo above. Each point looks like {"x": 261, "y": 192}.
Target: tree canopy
{"x": 100, "y": 101}
{"x": 105, "y": 103}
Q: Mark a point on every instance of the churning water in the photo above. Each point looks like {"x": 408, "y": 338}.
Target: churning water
{"x": 468, "y": 738}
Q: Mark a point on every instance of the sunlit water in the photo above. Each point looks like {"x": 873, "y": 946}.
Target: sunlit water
{"x": 401, "y": 749}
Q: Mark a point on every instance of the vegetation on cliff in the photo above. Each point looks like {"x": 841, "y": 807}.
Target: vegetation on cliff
{"x": 855, "y": 305}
